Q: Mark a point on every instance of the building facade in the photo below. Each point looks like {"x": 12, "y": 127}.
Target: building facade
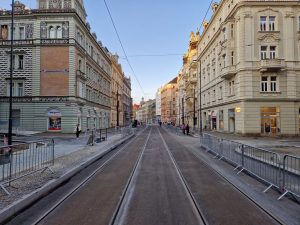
{"x": 189, "y": 75}
{"x": 169, "y": 96}
{"x": 248, "y": 59}
{"x": 127, "y": 101}
{"x": 62, "y": 74}
{"x": 158, "y": 104}
{"x": 117, "y": 107}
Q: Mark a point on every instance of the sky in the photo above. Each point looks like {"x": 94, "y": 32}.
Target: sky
{"x": 147, "y": 28}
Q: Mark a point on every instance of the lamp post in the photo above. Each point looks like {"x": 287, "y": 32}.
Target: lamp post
{"x": 117, "y": 107}
{"x": 11, "y": 75}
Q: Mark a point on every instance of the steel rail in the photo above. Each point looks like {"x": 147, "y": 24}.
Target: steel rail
{"x": 118, "y": 215}
{"x": 77, "y": 187}
{"x": 239, "y": 190}
{"x": 200, "y": 214}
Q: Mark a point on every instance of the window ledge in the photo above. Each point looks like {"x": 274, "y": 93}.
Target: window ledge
{"x": 267, "y": 31}
{"x": 229, "y": 96}
{"x": 270, "y": 92}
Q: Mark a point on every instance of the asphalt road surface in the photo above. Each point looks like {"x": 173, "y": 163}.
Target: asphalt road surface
{"x": 153, "y": 180}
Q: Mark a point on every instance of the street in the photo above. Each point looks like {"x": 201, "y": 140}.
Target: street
{"x": 152, "y": 179}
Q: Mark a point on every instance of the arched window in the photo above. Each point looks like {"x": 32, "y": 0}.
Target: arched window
{"x": 51, "y": 32}
{"x": 58, "y": 32}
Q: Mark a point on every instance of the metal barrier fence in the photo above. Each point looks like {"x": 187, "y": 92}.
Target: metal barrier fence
{"x": 100, "y": 135}
{"x": 266, "y": 165}
{"x": 20, "y": 160}
{"x": 291, "y": 175}
{"x": 174, "y": 129}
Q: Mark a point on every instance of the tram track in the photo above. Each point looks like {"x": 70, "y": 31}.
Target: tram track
{"x": 189, "y": 178}
{"x": 185, "y": 185}
{"x": 76, "y": 188}
{"x": 134, "y": 198}
{"x": 117, "y": 215}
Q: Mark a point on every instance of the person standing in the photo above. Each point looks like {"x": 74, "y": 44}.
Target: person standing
{"x": 78, "y": 131}
{"x": 187, "y": 128}
{"x": 183, "y": 128}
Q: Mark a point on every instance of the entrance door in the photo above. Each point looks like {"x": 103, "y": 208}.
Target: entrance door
{"x": 270, "y": 121}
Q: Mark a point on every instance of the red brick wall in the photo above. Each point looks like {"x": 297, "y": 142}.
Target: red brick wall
{"x": 54, "y": 71}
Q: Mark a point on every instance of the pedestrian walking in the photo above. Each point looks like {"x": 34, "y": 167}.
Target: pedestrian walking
{"x": 187, "y": 128}
{"x": 183, "y": 128}
{"x": 78, "y": 131}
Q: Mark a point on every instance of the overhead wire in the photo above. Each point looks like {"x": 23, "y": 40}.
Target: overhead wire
{"x": 123, "y": 49}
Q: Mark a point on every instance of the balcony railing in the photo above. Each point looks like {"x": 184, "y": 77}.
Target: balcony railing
{"x": 271, "y": 65}
{"x": 228, "y": 72}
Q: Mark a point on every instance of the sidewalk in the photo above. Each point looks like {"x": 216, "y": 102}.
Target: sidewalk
{"x": 70, "y": 153}
{"x": 277, "y": 144}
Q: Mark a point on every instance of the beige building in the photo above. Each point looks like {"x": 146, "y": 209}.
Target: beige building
{"x": 117, "y": 114}
{"x": 169, "y": 108}
{"x": 146, "y": 112}
{"x": 249, "y": 62}
{"x": 189, "y": 85}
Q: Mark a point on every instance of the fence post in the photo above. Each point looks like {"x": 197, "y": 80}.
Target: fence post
{"x": 10, "y": 164}
{"x": 53, "y": 152}
{"x": 100, "y": 134}
{"x": 106, "y": 134}
{"x": 93, "y": 137}
{"x": 243, "y": 155}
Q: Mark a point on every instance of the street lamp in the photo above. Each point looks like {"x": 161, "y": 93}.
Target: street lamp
{"x": 11, "y": 75}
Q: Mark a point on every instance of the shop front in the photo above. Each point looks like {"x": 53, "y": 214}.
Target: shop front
{"x": 54, "y": 120}
{"x": 270, "y": 120}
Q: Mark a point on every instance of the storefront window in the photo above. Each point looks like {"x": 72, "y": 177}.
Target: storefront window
{"x": 221, "y": 120}
{"x": 270, "y": 120}
{"x": 54, "y": 120}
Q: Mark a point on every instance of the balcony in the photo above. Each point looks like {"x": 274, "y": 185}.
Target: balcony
{"x": 228, "y": 72}
{"x": 81, "y": 75}
{"x": 271, "y": 65}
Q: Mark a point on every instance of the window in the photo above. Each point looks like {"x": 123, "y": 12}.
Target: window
{"x": 51, "y": 32}
{"x": 58, "y": 32}
{"x": 263, "y": 52}
{"x": 263, "y": 22}
{"x": 224, "y": 60}
{"x": 271, "y": 23}
{"x": 232, "y": 31}
{"x": 273, "y": 83}
{"x": 21, "y": 33}
{"x": 221, "y": 92}
{"x": 269, "y": 84}
{"x": 264, "y": 83}
{"x": 232, "y": 58}
{"x": 18, "y": 62}
{"x": 272, "y": 52}
{"x": 299, "y": 23}
{"x": 17, "y": 88}
{"x": 231, "y": 88}
{"x": 224, "y": 33}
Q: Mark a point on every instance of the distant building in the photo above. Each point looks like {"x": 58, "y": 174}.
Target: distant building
{"x": 62, "y": 74}
{"x": 169, "y": 107}
{"x": 127, "y": 101}
{"x": 158, "y": 104}
{"x": 147, "y": 112}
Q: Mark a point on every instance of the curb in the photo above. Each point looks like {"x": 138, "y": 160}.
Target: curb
{"x": 29, "y": 199}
